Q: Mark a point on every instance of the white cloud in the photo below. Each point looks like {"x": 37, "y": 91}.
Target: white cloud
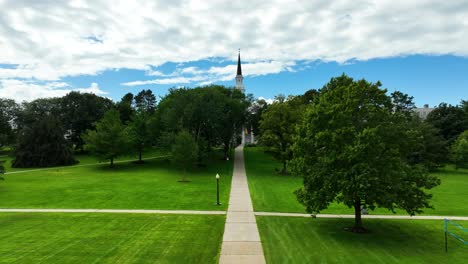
{"x": 214, "y": 74}
{"x": 267, "y": 100}
{"x": 21, "y": 90}
{"x": 49, "y": 40}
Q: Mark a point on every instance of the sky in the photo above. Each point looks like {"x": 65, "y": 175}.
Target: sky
{"x": 49, "y": 48}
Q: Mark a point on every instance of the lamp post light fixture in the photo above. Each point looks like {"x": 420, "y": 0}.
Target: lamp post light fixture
{"x": 217, "y": 189}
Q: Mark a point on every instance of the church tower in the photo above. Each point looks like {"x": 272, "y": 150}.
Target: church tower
{"x": 239, "y": 77}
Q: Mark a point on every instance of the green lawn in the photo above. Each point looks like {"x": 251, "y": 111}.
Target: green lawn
{"x": 272, "y": 192}
{"x": 153, "y": 185}
{"x": 85, "y": 159}
{"x": 307, "y": 240}
{"x": 109, "y": 238}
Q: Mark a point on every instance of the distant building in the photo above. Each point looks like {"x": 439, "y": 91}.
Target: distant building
{"x": 424, "y": 111}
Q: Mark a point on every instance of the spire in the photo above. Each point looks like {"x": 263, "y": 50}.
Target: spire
{"x": 239, "y": 69}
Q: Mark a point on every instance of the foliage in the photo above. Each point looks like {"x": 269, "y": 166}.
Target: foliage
{"x": 79, "y": 112}
{"x": 459, "y": 151}
{"x": 278, "y": 126}
{"x": 110, "y": 139}
{"x": 2, "y": 169}
{"x": 429, "y": 148}
{"x": 42, "y": 144}
{"x": 352, "y": 148}
{"x": 450, "y": 120}
{"x": 255, "y": 112}
{"x": 9, "y": 111}
{"x": 213, "y": 115}
{"x": 184, "y": 152}
{"x": 145, "y": 101}
{"x": 139, "y": 133}
{"x": 125, "y": 108}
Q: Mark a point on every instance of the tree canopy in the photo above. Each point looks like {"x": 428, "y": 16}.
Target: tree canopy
{"x": 450, "y": 120}
{"x": 110, "y": 138}
{"x": 42, "y": 144}
{"x": 459, "y": 151}
{"x": 278, "y": 127}
{"x": 352, "y": 148}
{"x": 184, "y": 152}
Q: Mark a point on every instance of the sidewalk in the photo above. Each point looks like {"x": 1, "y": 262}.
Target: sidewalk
{"x": 241, "y": 241}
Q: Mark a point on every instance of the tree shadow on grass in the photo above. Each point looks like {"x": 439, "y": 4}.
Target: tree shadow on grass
{"x": 406, "y": 239}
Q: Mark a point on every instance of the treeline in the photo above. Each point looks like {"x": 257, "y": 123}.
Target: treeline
{"x": 353, "y": 143}
{"x": 443, "y": 134}
{"x": 47, "y": 132}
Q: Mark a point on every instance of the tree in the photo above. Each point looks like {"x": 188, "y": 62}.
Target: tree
{"x": 145, "y": 101}
{"x": 43, "y": 144}
{"x": 184, "y": 152}
{"x": 450, "y": 120}
{"x": 459, "y": 151}
{"x": 125, "y": 108}
{"x": 79, "y": 112}
{"x": 351, "y": 148}
{"x": 277, "y": 126}
{"x": 2, "y": 170}
{"x": 9, "y": 111}
{"x": 110, "y": 139}
{"x": 139, "y": 133}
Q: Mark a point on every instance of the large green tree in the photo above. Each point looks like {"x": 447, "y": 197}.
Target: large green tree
{"x": 459, "y": 151}
{"x": 110, "y": 138}
{"x": 9, "y": 111}
{"x": 43, "y": 144}
{"x": 278, "y": 127}
{"x": 79, "y": 112}
{"x": 125, "y": 108}
{"x": 213, "y": 115}
{"x": 139, "y": 133}
{"x": 352, "y": 148}
{"x": 450, "y": 120}
{"x": 184, "y": 152}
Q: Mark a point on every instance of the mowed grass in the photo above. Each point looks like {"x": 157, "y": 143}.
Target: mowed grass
{"x": 109, "y": 238}
{"x": 308, "y": 240}
{"x": 273, "y": 192}
{"x": 153, "y": 185}
{"x": 83, "y": 159}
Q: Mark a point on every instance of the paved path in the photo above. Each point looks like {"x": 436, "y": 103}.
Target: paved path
{"x": 418, "y": 217}
{"x": 134, "y": 211}
{"x": 241, "y": 240}
{"x": 82, "y": 165}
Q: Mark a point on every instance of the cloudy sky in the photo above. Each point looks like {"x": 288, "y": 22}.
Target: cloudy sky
{"x": 48, "y": 48}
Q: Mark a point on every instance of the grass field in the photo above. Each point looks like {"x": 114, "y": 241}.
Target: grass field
{"x": 307, "y": 240}
{"x": 273, "y": 192}
{"x": 153, "y": 185}
{"x": 109, "y": 238}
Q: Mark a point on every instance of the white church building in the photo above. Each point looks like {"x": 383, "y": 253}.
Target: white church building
{"x": 247, "y": 133}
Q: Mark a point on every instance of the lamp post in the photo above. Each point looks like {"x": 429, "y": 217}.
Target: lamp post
{"x": 217, "y": 189}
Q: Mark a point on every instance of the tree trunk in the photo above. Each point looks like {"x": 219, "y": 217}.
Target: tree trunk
{"x": 226, "y": 151}
{"x": 357, "y": 228}
{"x": 139, "y": 156}
{"x": 112, "y": 162}
{"x": 283, "y": 171}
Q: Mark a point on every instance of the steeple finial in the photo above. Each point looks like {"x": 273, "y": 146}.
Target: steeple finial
{"x": 239, "y": 69}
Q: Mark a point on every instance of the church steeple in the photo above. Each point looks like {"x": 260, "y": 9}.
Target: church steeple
{"x": 239, "y": 77}
{"x": 239, "y": 69}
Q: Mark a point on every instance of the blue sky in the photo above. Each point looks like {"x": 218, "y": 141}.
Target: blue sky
{"x": 429, "y": 79}
{"x": 287, "y": 47}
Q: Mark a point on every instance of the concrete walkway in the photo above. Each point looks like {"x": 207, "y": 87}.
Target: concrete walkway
{"x": 241, "y": 240}
{"x": 417, "y": 217}
{"x": 112, "y": 211}
{"x": 83, "y": 165}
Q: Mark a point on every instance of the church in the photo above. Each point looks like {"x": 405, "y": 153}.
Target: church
{"x": 247, "y": 133}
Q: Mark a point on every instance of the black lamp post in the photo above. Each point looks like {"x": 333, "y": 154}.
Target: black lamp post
{"x": 217, "y": 189}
